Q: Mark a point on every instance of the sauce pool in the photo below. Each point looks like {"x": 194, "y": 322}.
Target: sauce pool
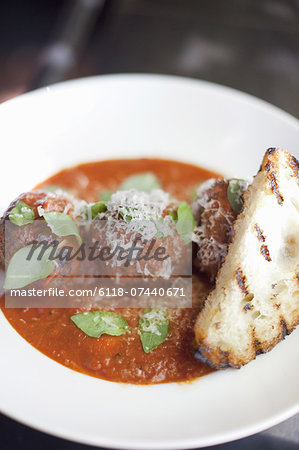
{"x": 119, "y": 358}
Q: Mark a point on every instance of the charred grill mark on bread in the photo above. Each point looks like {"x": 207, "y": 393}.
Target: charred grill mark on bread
{"x": 260, "y": 234}
{"x": 256, "y": 343}
{"x": 265, "y": 252}
{"x": 241, "y": 280}
{"x": 284, "y": 328}
{"x": 275, "y": 188}
{"x": 268, "y": 167}
{"x": 202, "y": 355}
{"x": 264, "y": 248}
{"x": 271, "y": 168}
{"x": 248, "y": 307}
{"x": 260, "y": 351}
{"x": 294, "y": 163}
{"x": 250, "y": 327}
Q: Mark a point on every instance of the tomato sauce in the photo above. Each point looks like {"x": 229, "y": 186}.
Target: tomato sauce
{"x": 119, "y": 358}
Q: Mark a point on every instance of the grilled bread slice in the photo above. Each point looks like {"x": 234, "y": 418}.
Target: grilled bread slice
{"x": 255, "y": 303}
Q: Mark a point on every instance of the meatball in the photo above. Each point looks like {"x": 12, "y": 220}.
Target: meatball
{"x": 214, "y": 218}
{"x": 110, "y": 242}
{"x": 141, "y": 218}
{"x": 133, "y": 254}
{"x": 16, "y": 236}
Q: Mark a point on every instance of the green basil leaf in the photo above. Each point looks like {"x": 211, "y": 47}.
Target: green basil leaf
{"x": 94, "y": 209}
{"x": 62, "y": 224}
{"x": 21, "y": 272}
{"x": 96, "y": 323}
{"x": 185, "y": 222}
{"x": 153, "y": 328}
{"x": 127, "y": 217}
{"x": 173, "y": 215}
{"x": 105, "y": 196}
{"x": 144, "y": 182}
{"x": 235, "y": 190}
{"x": 54, "y": 188}
{"x": 162, "y": 228}
{"x": 21, "y": 214}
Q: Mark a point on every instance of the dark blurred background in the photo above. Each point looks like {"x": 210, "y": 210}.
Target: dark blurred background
{"x": 251, "y": 45}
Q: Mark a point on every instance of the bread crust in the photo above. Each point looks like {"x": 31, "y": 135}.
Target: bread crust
{"x": 228, "y": 330}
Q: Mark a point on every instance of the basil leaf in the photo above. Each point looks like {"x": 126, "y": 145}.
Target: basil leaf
{"x": 21, "y": 271}
{"x": 62, "y": 224}
{"x": 21, "y": 214}
{"x": 127, "y": 217}
{"x": 235, "y": 189}
{"x": 94, "y": 209}
{"x": 96, "y": 323}
{"x": 144, "y": 182}
{"x": 173, "y": 215}
{"x": 162, "y": 228}
{"x": 53, "y": 188}
{"x": 153, "y": 328}
{"x": 105, "y": 196}
{"x": 185, "y": 222}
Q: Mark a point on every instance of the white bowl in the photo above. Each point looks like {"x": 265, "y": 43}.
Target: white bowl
{"x": 133, "y": 116}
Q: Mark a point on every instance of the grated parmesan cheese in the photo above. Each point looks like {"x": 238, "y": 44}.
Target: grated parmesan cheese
{"x": 144, "y": 216}
{"x": 152, "y": 319}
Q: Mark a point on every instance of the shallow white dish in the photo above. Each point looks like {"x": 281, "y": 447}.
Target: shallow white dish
{"x": 133, "y": 116}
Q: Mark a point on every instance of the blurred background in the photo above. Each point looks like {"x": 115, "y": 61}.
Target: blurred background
{"x": 250, "y": 45}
